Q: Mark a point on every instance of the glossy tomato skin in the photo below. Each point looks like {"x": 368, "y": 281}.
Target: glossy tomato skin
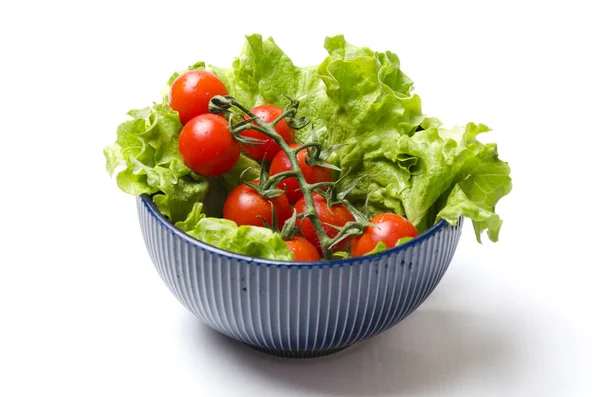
{"x": 303, "y": 250}
{"x": 245, "y": 206}
{"x": 207, "y": 146}
{"x": 312, "y": 174}
{"x": 389, "y": 228}
{"x": 268, "y": 150}
{"x": 338, "y": 215}
{"x": 191, "y": 92}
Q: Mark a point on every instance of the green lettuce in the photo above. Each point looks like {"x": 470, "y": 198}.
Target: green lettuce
{"x": 382, "y": 247}
{"x": 426, "y": 173}
{"x": 246, "y": 169}
{"x": 147, "y": 161}
{"x": 253, "y": 241}
{"x": 482, "y": 182}
{"x": 404, "y": 162}
{"x": 264, "y": 74}
{"x": 372, "y": 108}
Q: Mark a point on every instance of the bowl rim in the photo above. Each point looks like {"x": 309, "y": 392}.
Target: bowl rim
{"x": 151, "y": 207}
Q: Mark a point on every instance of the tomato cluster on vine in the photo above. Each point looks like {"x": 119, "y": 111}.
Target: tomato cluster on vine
{"x": 293, "y": 198}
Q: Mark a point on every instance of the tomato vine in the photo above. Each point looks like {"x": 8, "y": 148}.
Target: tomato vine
{"x": 316, "y": 157}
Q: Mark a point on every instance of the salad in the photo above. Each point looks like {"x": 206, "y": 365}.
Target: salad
{"x": 282, "y": 162}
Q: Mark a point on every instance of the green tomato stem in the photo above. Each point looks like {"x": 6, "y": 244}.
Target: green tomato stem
{"x": 268, "y": 129}
{"x": 289, "y": 112}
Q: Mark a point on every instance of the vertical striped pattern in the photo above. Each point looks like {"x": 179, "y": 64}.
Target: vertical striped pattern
{"x": 297, "y": 311}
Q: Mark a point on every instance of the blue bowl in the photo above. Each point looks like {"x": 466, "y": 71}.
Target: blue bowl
{"x": 297, "y": 309}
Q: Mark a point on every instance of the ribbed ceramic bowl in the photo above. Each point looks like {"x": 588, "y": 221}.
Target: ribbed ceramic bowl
{"x": 297, "y": 309}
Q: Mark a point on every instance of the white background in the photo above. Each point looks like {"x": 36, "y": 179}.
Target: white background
{"x": 83, "y": 311}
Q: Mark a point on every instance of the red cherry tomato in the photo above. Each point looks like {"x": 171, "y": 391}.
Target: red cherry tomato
{"x": 313, "y": 174}
{"x": 302, "y": 249}
{"x": 338, "y": 215}
{"x": 192, "y": 91}
{"x": 389, "y": 228}
{"x": 268, "y": 150}
{"x": 245, "y": 206}
{"x": 207, "y": 146}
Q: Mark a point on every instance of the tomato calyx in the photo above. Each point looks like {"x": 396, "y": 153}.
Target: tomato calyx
{"x": 273, "y": 225}
{"x": 291, "y": 227}
{"x": 264, "y": 187}
{"x": 350, "y": 229}
{"x": 336, "y": 196}
{"x": 316, "y": 155}
{"x": 294, "y": 123}
{"x": 223, "y": 104}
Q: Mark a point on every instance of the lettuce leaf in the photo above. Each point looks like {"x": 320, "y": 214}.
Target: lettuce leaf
{"x": 368, "y": 90}
{"x": 410, "y": 172}
{"x": 147, "y": 161}
{"x": 382, "y": 247}
{"x": 372, "y": 108}
{"x": 481, "y": 183}
{"x": 264, "y": 74}
{"x": 246, "y": 169}
{"x": 253, "y": 241}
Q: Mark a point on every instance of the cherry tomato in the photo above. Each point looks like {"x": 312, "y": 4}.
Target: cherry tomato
{"x": 207, "y": 146}
{"x": 303, "y": 249}
{"x": 313, "y": 174}
{"x": 389, "y": 228}
{"x": 268, "y": 150}
{"x": 245, "y": 206}
{"x": 338, "y": 215}
{"x": 192, "y": 91}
